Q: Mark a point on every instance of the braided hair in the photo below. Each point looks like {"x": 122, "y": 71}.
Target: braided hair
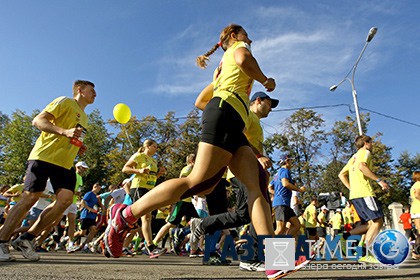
{"x": 223, "y": 43}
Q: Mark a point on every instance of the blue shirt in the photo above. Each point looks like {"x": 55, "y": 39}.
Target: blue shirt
{"x": 282, "y": 195}
{"x": 91, "y": 200}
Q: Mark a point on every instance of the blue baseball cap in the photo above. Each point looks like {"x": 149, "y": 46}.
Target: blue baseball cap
{"x": 263, "y": 95}
{"x": 284, "y": 157}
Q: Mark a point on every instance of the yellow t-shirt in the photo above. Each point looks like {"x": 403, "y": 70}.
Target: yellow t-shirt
{"x": 18, "y": 188}
{"x": 336, "y": 221}
{"x": 322, "y": 218}
{"x": 230, "y": 82}
{"x": 57, "y": 149}
{"x": 359, "y": 184}
{"x": 184, "y": 173}
{"x": 79, "y": 184}
{"x": 302, "y": 225}
{"x": 310, "y": 216}
{"x": 415, "y": 204}
{"x": 348, "y": 219}
{"x": 147, "y": 181}
{"x": 254, "y": 132}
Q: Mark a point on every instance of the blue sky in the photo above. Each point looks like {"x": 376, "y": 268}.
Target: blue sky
{"x": 142, "y": 53}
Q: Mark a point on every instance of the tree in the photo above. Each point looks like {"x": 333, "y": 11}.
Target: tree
{"x": 305, "y": 137}
{"x": 341, "y": 148}
{"x": 17, "y": 139}
{"x": 99, "y": 143}
{"x": 404, "y": 168}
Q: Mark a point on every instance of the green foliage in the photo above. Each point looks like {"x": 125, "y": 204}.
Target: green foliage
{"x": 319, "y": 154}
{"x": 16, "y": 140}
{"x": 99, "y": 144}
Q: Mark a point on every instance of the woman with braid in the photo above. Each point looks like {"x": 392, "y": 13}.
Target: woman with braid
{"x": 222, "y": 143}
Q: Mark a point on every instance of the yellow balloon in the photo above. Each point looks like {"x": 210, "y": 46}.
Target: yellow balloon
{"x": 122, "y": 113}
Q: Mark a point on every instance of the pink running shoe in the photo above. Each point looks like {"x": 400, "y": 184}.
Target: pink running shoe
{"x": 274, "y": 274}
{"x": 115, "y": 232}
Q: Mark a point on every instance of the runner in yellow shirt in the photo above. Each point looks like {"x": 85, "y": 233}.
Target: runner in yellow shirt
{"x": 222, "y": 143}
{"x": 311, "y": 219}
{"x": 63, "y": 124}
{"x": 415, "y": 211}
{"x": 356, "y": 176}
{"x": 336, "y": 221}
{"x": 146, "y": 171}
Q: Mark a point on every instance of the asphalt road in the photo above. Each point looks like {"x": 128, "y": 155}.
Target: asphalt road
{"x": 60, "y": 265}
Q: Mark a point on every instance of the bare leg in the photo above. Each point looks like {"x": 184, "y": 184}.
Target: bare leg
{"x": 280, "y": 228}
{"x": 162, "y": 232}
{"x": 71, "y": 218}
{"x": 146, "y": 228}
{"x": 91, "y": 235}
{"x": 210, "y": 160}
{"x": 245, "y": 167}
{"x": 294, "y": 227}
{"x": 17, "y": 213}
{"x": 51, "y": 214}
{"x": 374, "y": 228}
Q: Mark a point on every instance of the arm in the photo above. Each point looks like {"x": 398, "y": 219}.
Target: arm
{"x": 130, "y": 168}
{"x": 43, "y": 121}
{"x": 204, "y": 97}
{"x": 271, "y": 189}
{"x": 417, "y": 193}
{"x": 11, "y": 193}
{"x": 249, "y": 65}
{"x": 84, "y": 205}
{"x": 368, "y": 173}
{"x": 344, "y": 177}
{"x": 286, "y": 183}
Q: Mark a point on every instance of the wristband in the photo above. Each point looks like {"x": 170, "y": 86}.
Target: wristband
{"x": 377, "y": 181}
{"x": 266, "y": 82}
{"x": 259, "y": 155}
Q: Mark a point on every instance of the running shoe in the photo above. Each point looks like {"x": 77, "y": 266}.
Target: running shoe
{"x": 274, "y": 274}
{"x": 5, "y": 253}
{"x": 368, "y": 259}
{"x": 155, "y": 252}
{"x": 116, "y": 231}
{"x": 196, "y": 233}
{"x": 216, "y": 260}
{"x": 27, "y": 249}
{"x": 127, "y": 252}
{"x": 197, "y": 253}
{"x": 252, "y": 266}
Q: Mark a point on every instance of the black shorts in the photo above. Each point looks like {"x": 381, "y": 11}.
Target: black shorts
{"x": 87, "y": 223}
{"x": 222, "y": 126}
{"x": 284, "y": 213}
{"x": 311, "y": 231}
{"x": 39, "y": 171}
{"x": 180, "y": 210}
{"x": 136, "y": 193}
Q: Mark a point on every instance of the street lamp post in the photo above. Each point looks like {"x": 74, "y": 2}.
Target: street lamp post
{"x": 369, "y": 38}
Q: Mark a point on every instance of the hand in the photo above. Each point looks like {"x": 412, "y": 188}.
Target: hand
{"x": 384, "y": 185}
{"x": 265, "y": 162}
{"x": 143, "y": 170}
{"x": 82, "y": 150}
{"x": 73, "y": 132}
{"x": 270, "y": 84}
{"x": 162, "y": 171}
{"x": 93, "y": 211}
{"x": 302, "y": 189}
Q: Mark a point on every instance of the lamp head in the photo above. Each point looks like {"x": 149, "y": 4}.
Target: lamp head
{"x": 371, "y": 34}
{"x": 334, "y": 87}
